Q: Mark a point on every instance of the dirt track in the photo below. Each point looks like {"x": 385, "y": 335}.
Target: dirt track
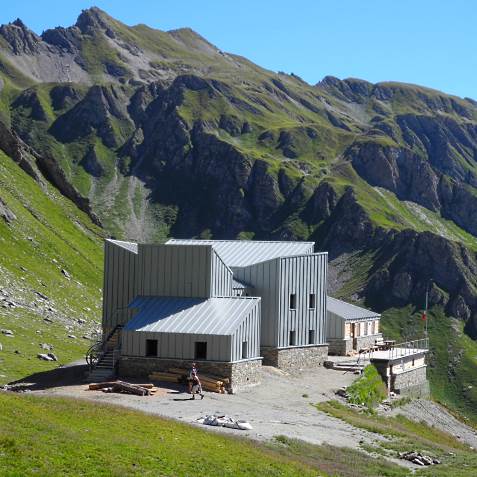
{"x": 276, "y": 407}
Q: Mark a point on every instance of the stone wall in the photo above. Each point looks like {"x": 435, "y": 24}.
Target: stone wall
{"x": 367, "y": 341}
{"x": 295, "y": 357}
{"x": 340, "y": 347}
{"x": 412, "y": 382}
{"x": 240, "y": 373}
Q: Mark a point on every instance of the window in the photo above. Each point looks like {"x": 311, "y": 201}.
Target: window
{"x": 311, "y": 301}
{"x": 200, "y": 350}
{"x": 292, "y": 301}
{"x": 244, "y": 350}
{"x": 292, "y": 338}
{"x": 151, "y": 347}
{"x": 311, "y": 337}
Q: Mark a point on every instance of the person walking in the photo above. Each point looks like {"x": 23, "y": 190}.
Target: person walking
{"x": 195, "y": 387}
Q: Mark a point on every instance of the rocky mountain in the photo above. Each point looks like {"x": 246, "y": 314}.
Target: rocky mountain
{"x": 156, "y": 133}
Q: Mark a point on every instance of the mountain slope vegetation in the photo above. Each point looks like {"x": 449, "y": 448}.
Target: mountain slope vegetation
{"x": 155, "y": 134}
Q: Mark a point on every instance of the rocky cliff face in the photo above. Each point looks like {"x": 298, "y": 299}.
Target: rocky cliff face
{"x": 161, "y": 133}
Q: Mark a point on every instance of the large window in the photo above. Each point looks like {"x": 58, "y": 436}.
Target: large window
{"x": 244, "y": 350}
{"x": 200, "y": 350}
{"x": 312, "y": 301}
{"x": 292, "y": 301}
{"x": 292, "y": 338}
{"x": 311, "y": 337}
{"x": 151, "y": 347}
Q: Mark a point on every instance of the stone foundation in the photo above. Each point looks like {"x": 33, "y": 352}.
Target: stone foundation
{"x": 339, "y": 347}
{"x": 366, "y": 341}
{"x": 295, "y": 357}
{"x": 240, "y": 373}
{"x": 344, "y": 347}
{"x": 411, "y": 383}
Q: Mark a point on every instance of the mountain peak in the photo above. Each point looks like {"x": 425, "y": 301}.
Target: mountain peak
{"x": 20, "y": 38}
{"x": 19, "y": 23}
{"x": 91, "y": 19}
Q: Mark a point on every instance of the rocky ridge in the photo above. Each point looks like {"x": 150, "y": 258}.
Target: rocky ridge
{"x": 161, "y": 133}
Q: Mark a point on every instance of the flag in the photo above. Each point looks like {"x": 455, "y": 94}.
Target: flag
{"x": 424, "y": 316}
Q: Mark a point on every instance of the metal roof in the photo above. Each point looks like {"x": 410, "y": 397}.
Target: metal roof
{"x": 132, "y": 247}
{"x": 242, "y": 253}
{"x": 239, "y": 285}
{"x": 212, "y": 316}
{"x": 349, "y": 311}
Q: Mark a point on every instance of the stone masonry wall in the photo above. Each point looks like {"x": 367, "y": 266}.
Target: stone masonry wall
{"x": 411, "y": 383}
{"x": 295, "y": 357}
{"x": 340, "y": 347}
{"x": 241, "y": 373}
{"x": 367, "y": 341}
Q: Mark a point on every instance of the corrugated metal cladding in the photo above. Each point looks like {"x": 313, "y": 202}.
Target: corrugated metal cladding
{"x": 223, "y": 323}
{"x": 349, "y": 311}
{"x": 121, "y": 272}
{"x": 335, "y": 327}
{"x": 303, "y": 276}
{"x": 264, "y": 279}
{"x": 243, "y": 253}
{"x": 159, "y": 270}
{"x": 222, "y": 276}
{"x": 169, "y": 270}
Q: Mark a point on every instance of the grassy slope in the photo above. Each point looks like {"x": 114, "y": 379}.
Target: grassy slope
{"x": 49, "y": 235}
{"x": 404, "y": 435}
{"x": 98, "y": 440}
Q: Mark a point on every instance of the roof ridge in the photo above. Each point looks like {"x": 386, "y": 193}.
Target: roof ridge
{"x": 240, "y": 241}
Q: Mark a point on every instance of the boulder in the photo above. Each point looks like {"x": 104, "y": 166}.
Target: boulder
{"x": 44, "y": 357}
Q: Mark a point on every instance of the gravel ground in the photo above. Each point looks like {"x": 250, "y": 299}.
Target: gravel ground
{"x": 276, "y": 407}
{"x": 436, "y": 416}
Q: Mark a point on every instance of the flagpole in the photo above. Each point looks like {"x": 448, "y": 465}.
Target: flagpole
{"x": 427, "y": 303}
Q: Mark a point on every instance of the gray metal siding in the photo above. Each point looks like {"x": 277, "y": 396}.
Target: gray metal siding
{"x": 172, "y": 270}
{"x": 121, "y": 281}
{"x": 182, "y": 345}
{"x": 336, "y": 326}
{"x": 248, "y": 331}
{"x": 302, "y": 276}
{"x": 243, "y": 253}
{"x": 222, "y": 277}
{"x": 175, "y": 345}
{"x": 264, "y": 277}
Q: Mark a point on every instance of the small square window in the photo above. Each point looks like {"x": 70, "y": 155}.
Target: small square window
{"x": 292, "y": 301}
{"x": 244, "y": 350}
{"x": 312, "y": 301}
{"x": 292, "y": 338}
{"x": 311, "y": 337}
{"x": 200, "y": 350}
{"x": 151, "y": 347}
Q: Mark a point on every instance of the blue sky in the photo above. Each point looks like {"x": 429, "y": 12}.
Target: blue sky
{"x": 432, "y": 43}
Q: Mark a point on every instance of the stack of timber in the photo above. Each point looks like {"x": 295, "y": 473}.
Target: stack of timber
{"x": 147, "y": 389}
{"x": 178, "y": 375}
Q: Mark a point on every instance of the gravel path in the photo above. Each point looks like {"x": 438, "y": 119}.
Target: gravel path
{"x": 276, "y": 407}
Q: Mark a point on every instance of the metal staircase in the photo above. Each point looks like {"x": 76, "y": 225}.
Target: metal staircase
{"x": 103, "y": 356}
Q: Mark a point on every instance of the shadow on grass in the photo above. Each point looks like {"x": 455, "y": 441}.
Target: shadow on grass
{"x": 69, "y": 375}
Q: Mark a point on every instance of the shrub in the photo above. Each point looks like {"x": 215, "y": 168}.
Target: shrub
{"x": 369, "y": 389}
